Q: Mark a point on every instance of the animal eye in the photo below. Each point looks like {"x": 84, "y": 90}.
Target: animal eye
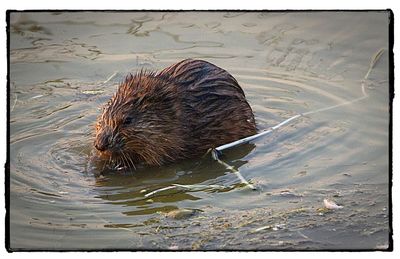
{"x": 128, "y": 120}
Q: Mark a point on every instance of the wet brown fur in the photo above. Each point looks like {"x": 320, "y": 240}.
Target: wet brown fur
{"x": 178, "y": 113}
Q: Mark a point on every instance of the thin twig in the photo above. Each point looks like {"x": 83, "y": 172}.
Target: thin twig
{"x": 231, "y": 168}
{"x": 110, "y": 77}
{"x": 159, "y": 190}
{"x": 373, "y": 62}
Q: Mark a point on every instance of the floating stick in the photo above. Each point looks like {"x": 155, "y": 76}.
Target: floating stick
{"x": 188, "y": 187}
{"x": 159, "y": 190}
{"x": 250, "y": 138}
{"x": 373, "y": 62}
{"x": 110, "y": 77}
{"x": 214, "y": 155}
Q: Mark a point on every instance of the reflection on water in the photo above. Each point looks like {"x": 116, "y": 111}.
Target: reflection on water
{"x": 127, "y": 187}
{"x": 65, "y": 66}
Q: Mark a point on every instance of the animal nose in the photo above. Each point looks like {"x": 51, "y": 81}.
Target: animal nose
{"x": 100, "y": 146}
{"x": 102, "y": 142}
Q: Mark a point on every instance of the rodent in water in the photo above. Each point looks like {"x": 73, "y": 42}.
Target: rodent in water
{"x": 178, "y": 113}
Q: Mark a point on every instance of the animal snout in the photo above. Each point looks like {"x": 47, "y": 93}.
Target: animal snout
{"x": 100, "y": 146}
{"x": 102, "y": 142}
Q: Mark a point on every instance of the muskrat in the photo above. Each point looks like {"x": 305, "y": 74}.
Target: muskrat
{"x": 178, "y": 113}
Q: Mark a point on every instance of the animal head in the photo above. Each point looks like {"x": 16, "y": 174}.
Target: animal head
{"x": 139, "y": 123}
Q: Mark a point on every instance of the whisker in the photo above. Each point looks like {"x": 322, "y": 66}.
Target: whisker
{"x": 130, "y": 162}
{"x": 127, "y": 160}
{"x": 104, "y": 165}
{"x": 123, "y": 158}
{"x": 109, "y": 162}
{"x": 125, "y": 164}
{"x": 133, "y": 164}
{"x": 117, "y": 163}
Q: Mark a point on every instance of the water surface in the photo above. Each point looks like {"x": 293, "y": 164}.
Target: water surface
{"x": 65, "y": 66}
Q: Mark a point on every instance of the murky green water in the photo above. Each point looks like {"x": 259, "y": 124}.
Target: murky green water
{"x": 64, "y": 66}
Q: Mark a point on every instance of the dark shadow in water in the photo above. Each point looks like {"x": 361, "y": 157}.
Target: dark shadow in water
{"x": 129, "y": 188}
